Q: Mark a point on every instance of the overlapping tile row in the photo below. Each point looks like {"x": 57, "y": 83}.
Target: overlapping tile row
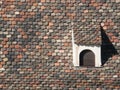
{"x": 90, "y": 35}
{"x": 36, "y": 48}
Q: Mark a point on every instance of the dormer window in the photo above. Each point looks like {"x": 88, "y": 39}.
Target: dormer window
{"x": 87, "y": 48}
{"x": 87, "y": 58}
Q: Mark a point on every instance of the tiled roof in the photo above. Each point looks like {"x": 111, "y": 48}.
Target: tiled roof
{"x": 88, "y": 36}
{"x": 36, "y": 50}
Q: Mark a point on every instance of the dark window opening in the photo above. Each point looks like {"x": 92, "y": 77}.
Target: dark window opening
{"x": 87, "y": 58}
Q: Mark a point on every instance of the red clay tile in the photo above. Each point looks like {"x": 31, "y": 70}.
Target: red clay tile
{"x": 42, "y": 1}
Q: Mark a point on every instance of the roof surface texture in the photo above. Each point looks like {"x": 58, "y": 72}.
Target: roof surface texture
{"x": 36, "y": 47}
{"x": 88, "y": 35}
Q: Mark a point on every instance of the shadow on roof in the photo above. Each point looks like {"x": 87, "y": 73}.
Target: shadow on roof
{"x": 107, "y": 48}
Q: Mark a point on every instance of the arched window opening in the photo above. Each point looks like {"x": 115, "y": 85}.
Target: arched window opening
{"x": 87, "y": 58}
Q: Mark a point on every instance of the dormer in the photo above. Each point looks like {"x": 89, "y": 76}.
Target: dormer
{"x": 87, "y": 47}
